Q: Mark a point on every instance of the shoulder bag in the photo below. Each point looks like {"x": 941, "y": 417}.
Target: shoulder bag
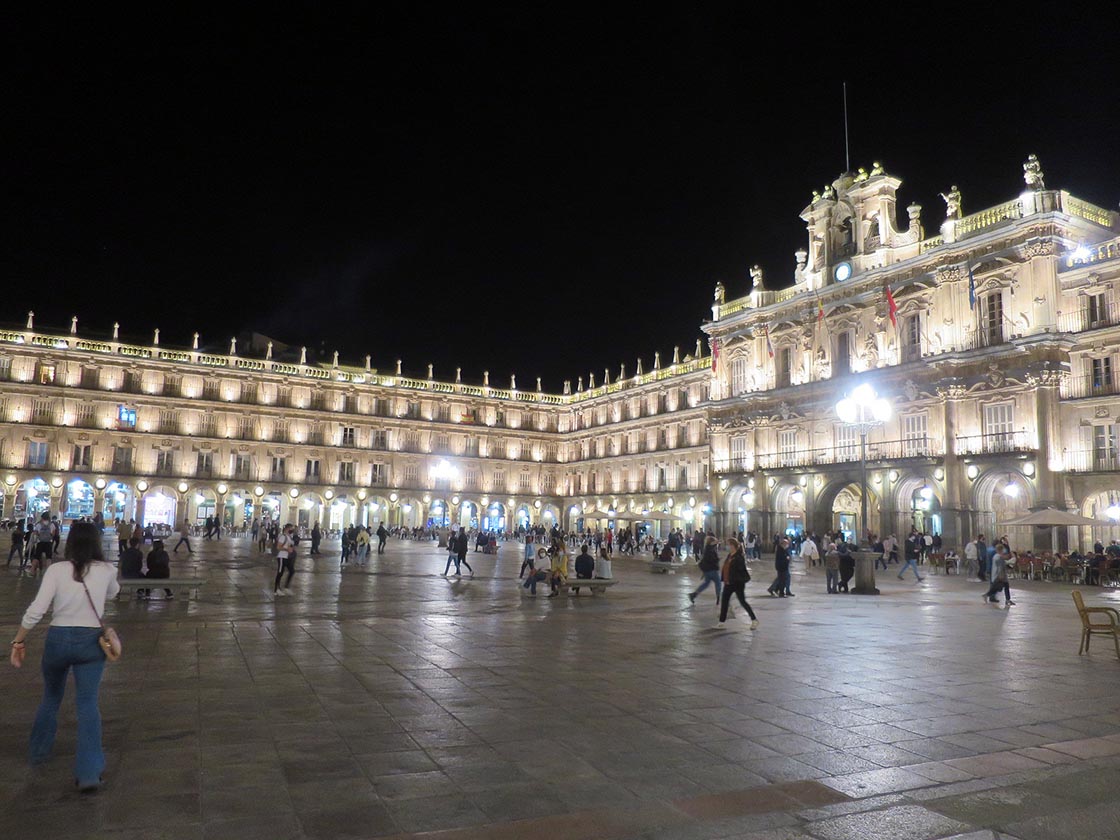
{"x": 109, "y": 640}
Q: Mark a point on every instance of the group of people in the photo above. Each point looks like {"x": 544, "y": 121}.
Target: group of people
{"x": 550, "y": 563}
{"x": 357, "y": 542}
{"x": 35, "y": 543}
{"x": 730, "y": 577}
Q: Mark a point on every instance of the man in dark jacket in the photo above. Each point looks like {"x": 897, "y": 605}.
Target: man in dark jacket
{"x": 382, "y": 535}
{"x": 585, "y": 566}
{"x": 709, "y": 567}
{"x": 781, "y": 584}
{"x": 132, "y": 561}
{"x": 159, "y": 567}
{"x": 462, "y": 545}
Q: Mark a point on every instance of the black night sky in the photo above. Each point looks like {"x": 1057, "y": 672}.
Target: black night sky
{"x": 520, "y": 190}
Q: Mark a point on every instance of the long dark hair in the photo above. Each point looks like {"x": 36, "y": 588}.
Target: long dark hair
{"x": 83, "y": 546}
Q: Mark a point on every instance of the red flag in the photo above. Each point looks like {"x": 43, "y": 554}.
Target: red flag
{"x": 769, "y": 344}
{"x": 820, "y": 309}
{"x": 715, "y": 352}
{"x": 892, "y": 307}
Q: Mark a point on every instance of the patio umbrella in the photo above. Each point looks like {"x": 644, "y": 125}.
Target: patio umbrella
{"x": 1053, "y": 516}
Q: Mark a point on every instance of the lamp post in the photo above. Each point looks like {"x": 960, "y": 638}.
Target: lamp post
{"x": 864, "y": 410}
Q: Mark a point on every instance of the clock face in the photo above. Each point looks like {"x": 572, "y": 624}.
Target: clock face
{"x": 842, "y": 272}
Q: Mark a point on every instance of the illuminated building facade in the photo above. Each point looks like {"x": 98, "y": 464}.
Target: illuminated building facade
{"x": 996, "y": 347}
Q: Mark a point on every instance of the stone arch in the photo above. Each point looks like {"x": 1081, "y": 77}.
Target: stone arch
{"x": 159, "y": 505}
{"x": 1105, "y": 506}
{"x": 78, "y": 499}
{"x": 836, "y": 507}
{"x": 495, "y": 516}
{"x": 993, "y": 505}
{"x": 410, "y": 512}
{"x": 913, "y": 509}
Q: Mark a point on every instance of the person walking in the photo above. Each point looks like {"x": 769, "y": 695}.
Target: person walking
{"x": 362, "y": 542}
{"x": 781, "y": 584}
{"x": 124, "y": 534}
{"x": 999, "y": 579}
{"x": 316, "y": 538}
{"x": 285, "y": 561}
{"x": 382, "y": 535}
{"x": 44, "y": 544}
{"x": 184, "y": 537}
{"x": 462, "y": 546}
{"x": 913, "y": 546}
{"x": 809, "y": 552}
{"x": 75, "y": 593}
{"x": 17, "y": 545}
{"x": 709, "y": 567}
{"x": 735, "y": 578}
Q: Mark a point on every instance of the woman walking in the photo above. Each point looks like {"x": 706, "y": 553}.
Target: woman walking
{"x": 709, "y": 566}
{"x": 735, "y": 578}
{"x": 75, "y": 592}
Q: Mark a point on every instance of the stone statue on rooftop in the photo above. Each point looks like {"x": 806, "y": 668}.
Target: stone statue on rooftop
{"x": 877, "y": 169}
{"x": 952, "y": 202}
{"x": 756, "y": 279}
{"x": 816, "y": 196}
{"x": 30, "y": 321}
{"x": 829, "y": 192}
{"x": 720, "y": 294}
{"x": 74, "y": 325}
{"x": 1032, "y": 173}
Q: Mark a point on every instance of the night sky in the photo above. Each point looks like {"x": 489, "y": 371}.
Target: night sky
{"x": 521, "y": 191}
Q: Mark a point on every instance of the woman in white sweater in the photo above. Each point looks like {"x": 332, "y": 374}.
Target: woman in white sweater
{"x": 67, "y": 589}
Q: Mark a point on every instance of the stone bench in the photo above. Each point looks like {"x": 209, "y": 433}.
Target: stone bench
{"x": 663, "y": 568}
{"x": 593, "y": 584}
{"x": 175, "y": 584}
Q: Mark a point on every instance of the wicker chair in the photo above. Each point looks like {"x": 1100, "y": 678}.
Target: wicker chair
{"x": 1090, "y": 628}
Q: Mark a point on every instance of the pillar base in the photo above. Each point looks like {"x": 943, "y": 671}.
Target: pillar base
{"x": 865, "y": 573}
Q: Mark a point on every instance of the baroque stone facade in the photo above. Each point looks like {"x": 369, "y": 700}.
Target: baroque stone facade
{"x": 997, "y": 348}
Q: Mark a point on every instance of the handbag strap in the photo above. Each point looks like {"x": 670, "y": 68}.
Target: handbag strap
{"x": 91, "y": 606}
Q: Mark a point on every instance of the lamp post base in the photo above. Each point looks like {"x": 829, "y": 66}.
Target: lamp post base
{"x": 865, "y": 572}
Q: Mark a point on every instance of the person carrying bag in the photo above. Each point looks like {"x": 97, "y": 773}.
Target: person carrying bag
{"x": 78, "y": 640}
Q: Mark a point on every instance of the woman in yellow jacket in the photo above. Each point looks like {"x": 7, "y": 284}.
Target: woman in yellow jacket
{"x": 363, "y": 546}
{"x": 559, "y": 567}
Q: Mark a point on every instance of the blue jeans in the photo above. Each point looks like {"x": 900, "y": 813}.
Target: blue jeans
{"x": 709, "y": 578}
{"x": 77, "y": 648}
{"x": 911, "y": 563}
{"x": 832, "y": 580}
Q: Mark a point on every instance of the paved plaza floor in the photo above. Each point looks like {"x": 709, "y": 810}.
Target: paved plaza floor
{"x": 389, "y": 701}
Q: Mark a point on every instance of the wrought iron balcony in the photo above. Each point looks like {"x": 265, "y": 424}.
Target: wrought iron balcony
{"x": 996, "y": 443}
{"x": 1089, "y": 385}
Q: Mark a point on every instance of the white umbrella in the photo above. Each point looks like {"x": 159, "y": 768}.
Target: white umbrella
{"x": 1053, "y": 516}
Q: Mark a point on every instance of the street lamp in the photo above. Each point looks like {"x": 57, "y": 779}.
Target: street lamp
{"x": 864, "y": 410}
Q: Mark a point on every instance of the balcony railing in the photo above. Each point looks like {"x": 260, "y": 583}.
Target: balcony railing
{"x": 1086, "y": 318}
{"x": 1089, "y": 385}
{"x": 996, "y": 443}
{"x": 884, "y": 450}
{"x": 978, "y": 339}
{"x": 1092, "y": 461}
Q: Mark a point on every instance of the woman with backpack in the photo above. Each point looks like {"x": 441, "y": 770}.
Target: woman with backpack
{"x": 735, "y": 578}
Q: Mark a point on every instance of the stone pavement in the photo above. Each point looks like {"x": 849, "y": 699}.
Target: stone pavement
{"x": 389, "y": 701}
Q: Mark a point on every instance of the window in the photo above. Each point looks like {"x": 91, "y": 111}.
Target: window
{"x": 41, "y": 411}
{"x": 311, "y": 470}
{"x": 911, "y": 338}
{"x": 991, "y": 319}
{"x": 37, "y": 454}
{"x": 1105, "y": 440}
{"x": 842, "y": 360}
{"x": 83, "y": 416}
{"x": 279, "y": 468}
{"x": 411, "y": 475}
{"x": 46, "y": 374}
{"x": 379, "y": 439}
{"x": 122, "y": 459}
{"x": 787, "y": 447}
{"x": 472, "y": 479}
{"x": 847, "y": 442}
{"x": 346, "y": 473}
{"x": 1101, "y": 374}
{"x": 739, "y": 453}
{"x": 525, "y": 481}
{"x": 348, "y": 436}
{"x": 1095, "y": 310}
{"x": 682, "y": 479}
{"x": 82, "y": 456}
{"x": 377, "y": 474}
{"x": 442, "y": 444}
{"x": 444, "y": 414}
{"x": 784, "y": 369}
{"x": 126, "y": 417}
{"x": 281, "y": 429}
{"x": 205, "y": 465}
{"x": 168, "y": 421}
{"x": 915, "y": 435}
{"x": 241, "y": 466}
{"x": 164, "y": 462}
{"x": 499, "y": 481}
{"x": 738, "y": 375}
{"x": 999, "y": 427}
{"x": 245, "y": 428}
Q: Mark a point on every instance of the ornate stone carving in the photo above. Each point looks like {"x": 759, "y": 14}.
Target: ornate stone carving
{"x": 910, "y": 389}
{"x": 949, "y": 274}
{"x": 1039, "y": 248}
{"x": 996, "y": 375}
{"x": 1101, "y": 411}
{"x": 785, "y": 410}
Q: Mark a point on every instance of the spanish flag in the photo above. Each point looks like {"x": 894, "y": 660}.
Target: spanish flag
{"x": 892, "y": 307}
{"x": 820, "y": 309}
{"x": 769, "y": 344}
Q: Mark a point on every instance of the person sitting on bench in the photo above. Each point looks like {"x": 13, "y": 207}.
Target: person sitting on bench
{"x": 159, "y": 567}
{"x": 667, "y": 555}
{"x": 585, "y": 566}
{"x": 535, "y": 575}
